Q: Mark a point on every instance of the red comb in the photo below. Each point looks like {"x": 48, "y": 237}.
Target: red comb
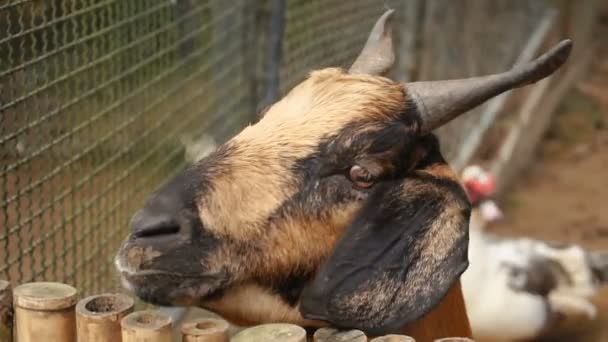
{"x": 477, "y": 189}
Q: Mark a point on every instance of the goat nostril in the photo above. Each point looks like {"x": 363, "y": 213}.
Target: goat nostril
{"x": 157, "y": 229}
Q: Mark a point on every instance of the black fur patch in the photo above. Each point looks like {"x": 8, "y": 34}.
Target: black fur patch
{"x": 289, "y": 287}
{"x": 216, "y": 163}
{"x": 385, "y": 243}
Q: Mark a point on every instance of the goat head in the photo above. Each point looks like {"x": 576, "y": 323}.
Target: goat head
{"x": 336, "y": 207}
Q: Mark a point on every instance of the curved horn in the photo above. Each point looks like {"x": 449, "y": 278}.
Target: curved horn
{"x": 439, "y": 102}
{"x": 377, "y": 56}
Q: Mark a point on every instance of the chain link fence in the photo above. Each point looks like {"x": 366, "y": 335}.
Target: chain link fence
{"x": 100, "y": 99}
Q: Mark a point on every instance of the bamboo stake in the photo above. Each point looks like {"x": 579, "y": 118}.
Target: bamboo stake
{"x": 394, "y": 338}
{"x": 275, "y": 332}
{"x": 98, "y": 317}
{"x": 146, "y": 326}
{"x": 205, "y": 330}
{"x": 6, "y": 311}
{"x": 335, "y": 335}
{"x": 45, "y": 312}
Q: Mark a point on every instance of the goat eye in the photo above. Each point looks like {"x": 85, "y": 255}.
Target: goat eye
{"x": 360, "y": 176}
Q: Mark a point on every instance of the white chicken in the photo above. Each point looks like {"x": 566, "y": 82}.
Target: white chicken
{"x": 518, "y": 288}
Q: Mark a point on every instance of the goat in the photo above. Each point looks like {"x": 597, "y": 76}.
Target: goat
{"x": 335, "y": 208}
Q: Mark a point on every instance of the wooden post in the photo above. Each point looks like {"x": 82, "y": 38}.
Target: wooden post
{"x": 146, "y": 326}
{"x": 274, "y": 332}
{"x": 335, "y": 335}
{"x": 98, "y": 317}
{"x": 394, "y": 338}
{"x": 45, "y": 312}
{"x": 205, "y": 330}
{"x": 6, "y": 311}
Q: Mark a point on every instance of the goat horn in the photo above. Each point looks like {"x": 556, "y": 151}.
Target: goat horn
{"x": 377, "y": 56}
{"x": 438, "y": 102}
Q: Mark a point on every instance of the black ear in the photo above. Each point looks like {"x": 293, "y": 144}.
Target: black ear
{"x": 398, "y": 259}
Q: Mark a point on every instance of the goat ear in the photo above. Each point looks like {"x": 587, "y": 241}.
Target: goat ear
{"x": 400, "y": 256}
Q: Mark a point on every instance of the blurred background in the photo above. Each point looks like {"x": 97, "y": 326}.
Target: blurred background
{"x": 103, "y": 100}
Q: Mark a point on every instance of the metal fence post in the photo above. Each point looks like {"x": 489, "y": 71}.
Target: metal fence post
{"x": 275, "y": 51}
{"x": 251, "y": 39}
{"x": 408, "y": 39}
{"x": 6, "y": 311}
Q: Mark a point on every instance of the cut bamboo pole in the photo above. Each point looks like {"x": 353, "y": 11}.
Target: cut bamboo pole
{"x": 146, "y": 326}
{"x": 205, "y": 330}
{"x": 336, "y": 335}
{"x": 274, "y": 332}
{"x": 394, "y": 338}
{"x": 98, "y": 317}
{"x": 6, "y": 311}
{"x": 45, "y": 312}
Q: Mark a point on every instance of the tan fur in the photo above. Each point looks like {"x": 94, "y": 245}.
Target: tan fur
{"x": 285, "y": 247}
{"x": 259, "y": 178}
{"x": 258, "y": 306}
{"x": 442, "y": 171}
{"x": 285, "y": 243}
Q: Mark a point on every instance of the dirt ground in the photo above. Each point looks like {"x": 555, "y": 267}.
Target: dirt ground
{"x": 563, "y": 196}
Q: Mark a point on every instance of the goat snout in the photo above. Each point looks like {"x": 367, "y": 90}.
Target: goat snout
{"x": 146, "y": 224}
{"x": 163, "y": 222}
{"x": 167, "y": 225}
{"x": 169, "y": 214}
{"x": 165, "y": 258}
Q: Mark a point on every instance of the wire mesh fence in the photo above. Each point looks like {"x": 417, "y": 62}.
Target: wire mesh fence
{"x": 98, "y": 97}
{"x": 468, "y": 38}
{"x": 95, "y": 97}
